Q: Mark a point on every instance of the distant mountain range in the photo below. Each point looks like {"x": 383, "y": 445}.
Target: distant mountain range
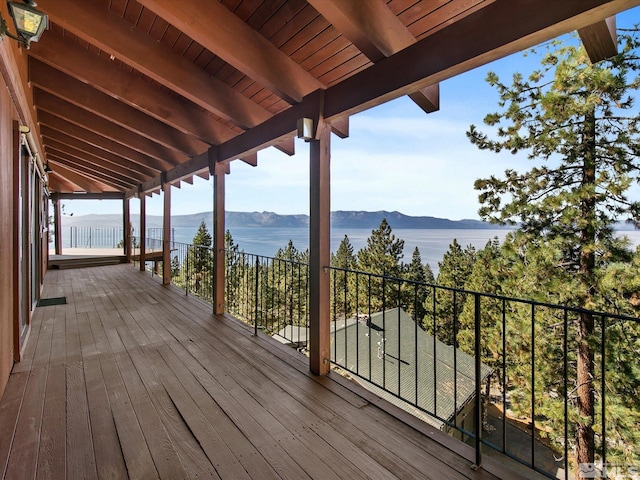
{"x": 339, "y": 219}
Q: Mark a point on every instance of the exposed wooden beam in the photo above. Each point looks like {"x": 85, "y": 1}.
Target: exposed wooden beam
{"x": 509, "y": 27}
{"x": 88, "y": 170}
{"x": 340, "y": 127}
{"x": 107, "y": 157}
{"x": 58, "y": 183}
{"x": 105, "y": 128}
{"x": 96, "y": 160}
{"x": 88, "y": 98}
{"x": 91, "y": 196}
{"x": 600, "y": 39}
{"x": 508, "y": 30}
{"x": 114, "y": 35}
{"x": 287, "y": 146}
{"x": 83, "y": 181}
{"x": 61, "y": 125}
{"x": 377, "y": 33}
{"x": 220, "y": 31}
{"x": 251, "y": 159}
{"x": 130, "y": 89}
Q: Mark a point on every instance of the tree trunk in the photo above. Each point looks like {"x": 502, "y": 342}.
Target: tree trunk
{"x": 585, "y": 441}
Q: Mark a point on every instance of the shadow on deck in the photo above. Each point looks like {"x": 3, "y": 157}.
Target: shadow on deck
{"x": 131, "y": 379}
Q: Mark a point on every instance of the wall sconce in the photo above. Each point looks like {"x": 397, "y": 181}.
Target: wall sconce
{"x": 305, "y": 129}
{"x": 29, "y": 22}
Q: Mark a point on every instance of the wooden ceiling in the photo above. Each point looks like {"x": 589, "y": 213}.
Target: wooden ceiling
{"x": 132, "y": 93}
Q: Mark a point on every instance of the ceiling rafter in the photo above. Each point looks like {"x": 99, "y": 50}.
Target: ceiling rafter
{"x": 58, "y": 183}
{"x": 82, "y": 180}
{"x": 105, "y": 76}
{"x": 88, "y": 98}
{"x": 377, "y": 33}
{"x": 107, "y": 157}
{"x": 99, "y": 162}
{"x": 105, "y": 128}
{"x": 600, "y": 39}
{"x": 61, "y": 125}
{"x": 87, "y": 168}
{"x": 217, "y": 29}
{"x": 117, "y": 37}
{"x": 131, "y": 100}
{"x": 409, "y": 69}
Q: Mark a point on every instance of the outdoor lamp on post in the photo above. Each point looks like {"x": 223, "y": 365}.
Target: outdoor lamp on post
{"x": 29, "y": 22}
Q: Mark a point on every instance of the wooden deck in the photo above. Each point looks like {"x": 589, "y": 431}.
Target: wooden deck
{"x": 131, "y": 379}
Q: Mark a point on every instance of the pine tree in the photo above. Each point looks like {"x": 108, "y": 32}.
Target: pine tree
{"x": 200, "y": 262}
{"x": 487, "y": 276}
{"x": 343, "y": 279}
{"x": 236, "y": 269}
{"x": 381, "y": 257}
{"x": 577, "y": 121}
{"x": 455, "y": 268}
{"x": 416, "y": 293}
{"x": 286, "y": 286}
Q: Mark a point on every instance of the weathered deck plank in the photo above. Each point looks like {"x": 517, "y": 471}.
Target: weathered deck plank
{"x": 132, "y": 379}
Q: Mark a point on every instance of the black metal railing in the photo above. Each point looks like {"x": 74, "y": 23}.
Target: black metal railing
{"x": 103, "y": 237}
{"x": 508, "y": 363}
{"x": 270, "y": 293}
{"x": 192, "y": 269}
{"x": 93, "y": 237}
{"x": 496, "y": 372}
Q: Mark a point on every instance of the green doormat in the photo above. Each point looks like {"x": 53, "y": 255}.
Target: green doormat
{"x": 45, "y": 302}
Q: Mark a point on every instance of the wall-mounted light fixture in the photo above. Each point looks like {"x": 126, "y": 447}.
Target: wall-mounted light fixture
{"x": 29, "y": 22}
{"x": 305, "y": 129}
{"x": 47, "y": 168}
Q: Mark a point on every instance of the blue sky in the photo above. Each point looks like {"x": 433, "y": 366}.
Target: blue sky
{"x": 396, "y": 158}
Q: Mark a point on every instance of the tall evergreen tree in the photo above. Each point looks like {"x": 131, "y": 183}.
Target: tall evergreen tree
{"x": 200, "y": 262}
{"x": 344, "y": 288}
{"x": 416, "y": 293}
{"x": 455, "y": 268}
{"x": 289, "y": 290}
{"x": 577, "y": 121}
{"x": 236, "y": 270}
{"x": 381, "y": 257}
{"x": 486, "y": 276}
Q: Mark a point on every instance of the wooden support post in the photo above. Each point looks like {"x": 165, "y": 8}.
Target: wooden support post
{"x": 57, "y": 217}
{"x": 143, "y": 231}
{"x": 126, "y": 220}
{"x": 319, "y": 251}
{"x": 166, "y": 235}
{"x": 218, "y": 238}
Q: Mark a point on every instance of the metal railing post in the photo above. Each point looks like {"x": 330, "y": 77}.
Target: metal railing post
{"x": 255, "y": 321}
{"x": 478, "y": 377}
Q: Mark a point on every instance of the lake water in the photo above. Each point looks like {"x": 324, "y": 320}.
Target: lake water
{"x": 433, "y": 243}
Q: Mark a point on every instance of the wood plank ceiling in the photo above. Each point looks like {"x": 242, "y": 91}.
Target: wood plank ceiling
{"x": 129, "y": 94}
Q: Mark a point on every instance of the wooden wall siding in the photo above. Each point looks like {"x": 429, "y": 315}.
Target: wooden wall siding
{"x": 7, "y": 254}
{"x": 131, "y": 379}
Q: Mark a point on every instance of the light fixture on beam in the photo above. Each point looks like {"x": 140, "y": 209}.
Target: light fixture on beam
{"x": 47, "y": 168}
{"x": 29, "y": 22}
{"x": 306, "y": 129}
